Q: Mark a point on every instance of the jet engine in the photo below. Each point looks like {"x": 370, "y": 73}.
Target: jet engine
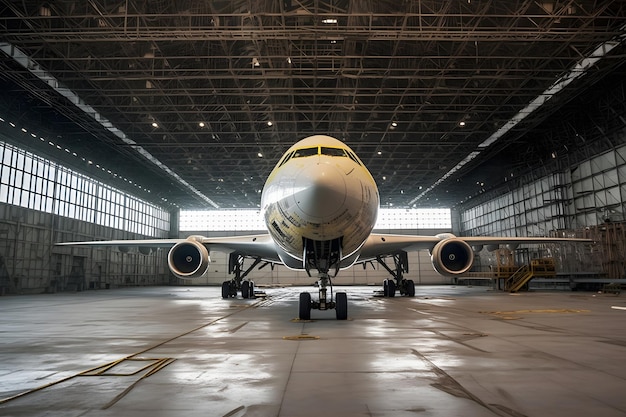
{"x": 452, "y": 256}
{"x": 189, "y": 259}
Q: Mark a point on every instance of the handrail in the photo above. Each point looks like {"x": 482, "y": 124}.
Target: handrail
{"x": 518, "y": 278}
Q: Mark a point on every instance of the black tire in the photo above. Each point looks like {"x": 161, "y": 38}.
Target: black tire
{"x": 386, "y": 288}
{"x": 226, "y": 289}
{"x": 391, "y": 288}
{"x": 410, "y": 288}
{"x": 251, "y": 289}
{"x": 245, "y": 289}
{"x": 305, "y": 306}
{"x": 341, "y": 305}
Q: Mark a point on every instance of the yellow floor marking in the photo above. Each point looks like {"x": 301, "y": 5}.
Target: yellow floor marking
{"x": 301, "y": 337}
{"x": 544, "y": 311}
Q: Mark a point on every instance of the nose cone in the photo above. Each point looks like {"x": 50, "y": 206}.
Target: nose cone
{"x": 321, "y": 192}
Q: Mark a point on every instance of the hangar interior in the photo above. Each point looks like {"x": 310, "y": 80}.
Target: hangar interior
{"x": 115, "y": 117}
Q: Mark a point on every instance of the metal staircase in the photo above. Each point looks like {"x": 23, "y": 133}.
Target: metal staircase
{"x": 542, "y": 267}
{"x": 519, "y": 278}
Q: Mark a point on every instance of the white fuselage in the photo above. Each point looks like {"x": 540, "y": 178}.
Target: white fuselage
{"x": 320, "y": 191}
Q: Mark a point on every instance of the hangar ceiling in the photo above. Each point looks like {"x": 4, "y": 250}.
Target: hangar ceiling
{"x": 195, "y": 100}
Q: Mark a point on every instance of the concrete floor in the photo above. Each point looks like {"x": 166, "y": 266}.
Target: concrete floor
{"x": 450, "y": 351}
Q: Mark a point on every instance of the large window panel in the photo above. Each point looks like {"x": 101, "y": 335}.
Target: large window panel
{"x": 31, "y": 181}
{"x": 17, "y": 177}
{"x": 19, "y": 161}
{"x": 37, "y": 201}
{"x": 250, "y": 220}
{"x": 7, "y": 156}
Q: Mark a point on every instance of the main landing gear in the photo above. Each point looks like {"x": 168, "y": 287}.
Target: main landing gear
{"x": 404, "y": 286}
{"x": 232, "y": 287}
{"x": 340, "y": 304}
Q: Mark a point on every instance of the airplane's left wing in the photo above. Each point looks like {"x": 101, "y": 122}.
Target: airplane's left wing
{"x": 451, "y": 255}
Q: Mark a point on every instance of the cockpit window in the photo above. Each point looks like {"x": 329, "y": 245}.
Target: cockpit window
{"x": 353, "y": 157}
{"x": 301, "y": 153}
{"x": 333, "y": 151}
{"x": 286, "y": 158}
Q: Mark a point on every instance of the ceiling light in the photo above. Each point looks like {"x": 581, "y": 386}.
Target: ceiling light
{"x": 269, "y": 123}
{"x": 462, "y": 123}
{"x": 45, "y": 11}
{"x": 329, "y": 21}
{"x": 379, "y": 152}
{"x": 260, "y": 155}
{"x": 255, "y": 62}
{"x": 394, "y": 124}
{"x": 155, "y": 125}
{"x": 201, "y": 124}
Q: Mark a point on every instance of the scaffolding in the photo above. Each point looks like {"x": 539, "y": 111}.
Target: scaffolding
{"x": 608, "y": 254}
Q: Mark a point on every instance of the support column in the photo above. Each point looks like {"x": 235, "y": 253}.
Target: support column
{"x": 174, "y": 232}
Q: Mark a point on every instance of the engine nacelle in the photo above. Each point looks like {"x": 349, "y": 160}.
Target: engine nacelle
{"x": 189, "y": 259}
{"x": 452, "y": 256}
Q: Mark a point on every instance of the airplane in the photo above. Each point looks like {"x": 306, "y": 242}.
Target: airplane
{"x": 320, "y": 205}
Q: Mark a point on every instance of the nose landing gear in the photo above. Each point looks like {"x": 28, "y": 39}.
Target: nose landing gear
{"x": 340, "y": 302}
{"x": 323, "y": 256}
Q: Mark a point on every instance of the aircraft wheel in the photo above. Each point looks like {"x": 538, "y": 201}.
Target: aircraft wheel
{"x": 386, "y": 288}
{"x": 251, "y": 289}
{"x": 245, "y": 289}
{"x": 305, "y": 306}
{"x": 391, "y": 288}
{"x": 341, "y": 305}
{"x": 226, "y": 289}
{"x": 410, "y": 288}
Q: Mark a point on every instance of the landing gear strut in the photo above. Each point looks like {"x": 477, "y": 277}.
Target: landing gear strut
{"x": 340, "y": 304}
{"x": 406, "y": 286}
{"x": 232, "y": 287}
{"x": 323, "y": 256}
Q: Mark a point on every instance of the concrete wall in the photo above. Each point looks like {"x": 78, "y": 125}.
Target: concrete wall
{"x": 30, "y": 263}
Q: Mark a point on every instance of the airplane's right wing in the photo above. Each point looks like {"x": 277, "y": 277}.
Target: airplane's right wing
{"x": 256, "y": 246}
{"x": 189, "y": 258}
